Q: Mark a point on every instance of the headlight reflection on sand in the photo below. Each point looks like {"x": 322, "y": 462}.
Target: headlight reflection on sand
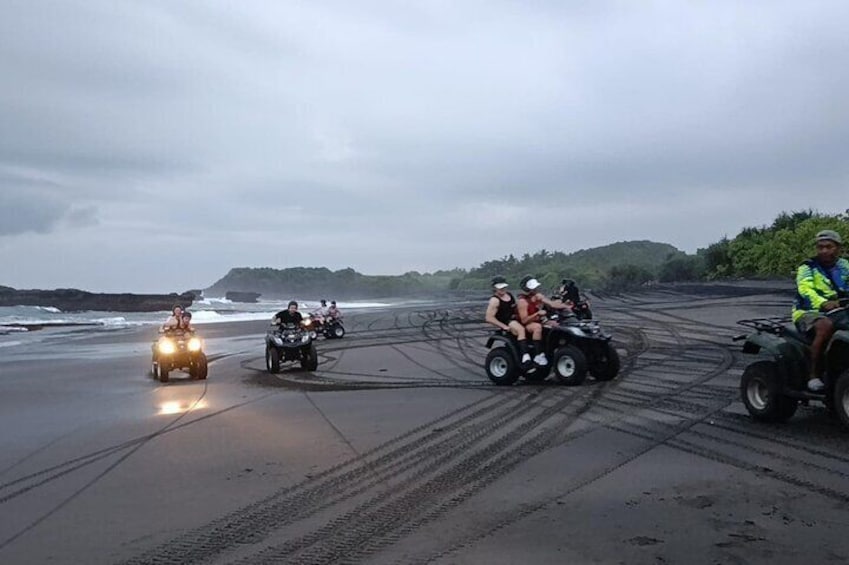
{"x": 176, "y": 406}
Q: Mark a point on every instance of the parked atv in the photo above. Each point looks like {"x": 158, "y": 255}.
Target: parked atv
{"x": 178, "y": 350}
{"x": 573, "y": 348}
{"x": 291, "y": 342}
{"x": 773, "y": 387}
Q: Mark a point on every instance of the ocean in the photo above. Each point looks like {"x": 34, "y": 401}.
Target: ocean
{"x": 17, "y": 321}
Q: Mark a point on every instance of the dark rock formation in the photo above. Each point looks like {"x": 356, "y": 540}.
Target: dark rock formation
{"x": 242, "y": 296}
{"x": 71, "y": 299}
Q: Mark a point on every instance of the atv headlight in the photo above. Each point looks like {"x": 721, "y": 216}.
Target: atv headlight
{"x": 308, "y": 322}
{"x": 194, "y": 344}
{"x": 305, "y": 338}
{"x": 278, "y": 340}
{"x": 166, "y": 347}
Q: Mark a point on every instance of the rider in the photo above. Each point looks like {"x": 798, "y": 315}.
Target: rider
{"x": 321, "y": 311}
{"x": 820, "y": 282}
{"x": 501, "y": 313}
{"x": 175, "y": 320}
{"x": 532, "y": 316}
{"x": 186, "y": 322}
{"x": 288, "y": 316}
{"x": 333, "y": 312}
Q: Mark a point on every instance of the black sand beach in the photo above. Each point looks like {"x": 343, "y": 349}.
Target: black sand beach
{"x": 399, "y": 450}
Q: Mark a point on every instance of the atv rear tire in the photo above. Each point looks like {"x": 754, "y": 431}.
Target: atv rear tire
{"x": 338, "y": 331}
{"x": 570, "y": 365}
{"x": 272, "y": 360}
{"x": 501, "y": 367}
{"x": 606, "y": 365}
{"x": 760, "y": 390}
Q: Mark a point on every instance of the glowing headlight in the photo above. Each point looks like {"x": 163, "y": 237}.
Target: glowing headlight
{"x": 305, "y": 338}
{"x": 307, "y": 322}
{"x": 194, "y": 344}
{"x": 166, "y": 346}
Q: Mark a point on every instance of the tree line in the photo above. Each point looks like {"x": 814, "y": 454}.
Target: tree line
{"x": 765, "y": 252}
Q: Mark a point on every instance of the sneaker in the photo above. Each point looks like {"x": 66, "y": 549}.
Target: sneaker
{"x": 816, "y": 385}
{"x": 541, "y": 360}
{"x": 526, "y": 359}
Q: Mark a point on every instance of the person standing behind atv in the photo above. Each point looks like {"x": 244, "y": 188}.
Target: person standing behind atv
{"x": 288, "y": 316}
{"x": 532, "y": 316}
{"x": 820, "y": 283}
{"x": 501, "y": 313}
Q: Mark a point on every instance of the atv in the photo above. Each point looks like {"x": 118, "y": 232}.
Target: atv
{"x": 573, "y": 348}
{"x": 178, "y": 350}
{"x": 328, "y": 327}
{"x": 773, "y": 387}
{"x": 291, "y": 342}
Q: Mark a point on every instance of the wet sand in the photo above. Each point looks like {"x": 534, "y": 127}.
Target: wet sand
{"x": 399, "y": 450}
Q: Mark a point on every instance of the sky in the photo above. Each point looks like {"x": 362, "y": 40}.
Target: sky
{"x": 150, "y": 146}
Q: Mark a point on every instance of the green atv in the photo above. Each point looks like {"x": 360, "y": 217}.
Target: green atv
{"x": 773, "y": 387}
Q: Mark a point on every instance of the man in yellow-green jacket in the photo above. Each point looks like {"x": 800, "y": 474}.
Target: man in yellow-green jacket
{"x": 820, "y": 283}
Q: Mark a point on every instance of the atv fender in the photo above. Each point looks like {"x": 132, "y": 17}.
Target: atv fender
{"x": 837, "y": 353}
{"x": 506, "y": 342}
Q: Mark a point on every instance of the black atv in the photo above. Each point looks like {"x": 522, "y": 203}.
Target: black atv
{"x": 573, "y": 348}
{"x": 178, "y": 350}
{"x": 291, "y": 342}
{"x": 773, "y": 387}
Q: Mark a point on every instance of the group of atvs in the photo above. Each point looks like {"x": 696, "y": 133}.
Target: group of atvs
{"x": 772, "y": 387}
{"x": 182, "y": 349}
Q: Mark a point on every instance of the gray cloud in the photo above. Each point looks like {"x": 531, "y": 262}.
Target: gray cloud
{"x": 390, "y": 138}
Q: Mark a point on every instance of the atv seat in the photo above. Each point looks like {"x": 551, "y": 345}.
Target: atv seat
{"x": 794, "y": 334}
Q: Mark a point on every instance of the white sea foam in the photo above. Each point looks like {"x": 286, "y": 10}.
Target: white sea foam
{"x": 213, "y": 301}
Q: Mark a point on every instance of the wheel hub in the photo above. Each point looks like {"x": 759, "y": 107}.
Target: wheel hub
{"x": 758, "y": 394}
{"x": 566, "y": 366}
{"x": 498, "y": 367}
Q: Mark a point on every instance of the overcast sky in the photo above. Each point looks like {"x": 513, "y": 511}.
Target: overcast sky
{"x": 150, "y": 146}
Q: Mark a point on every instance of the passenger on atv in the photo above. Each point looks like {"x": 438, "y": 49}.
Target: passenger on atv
{"x": 175, "y": 320}
{"x": 820, "y": 284}
{"x": 501, "y": 313}
{"x": 532, "y": 315}
{"x": 569, "y": 294}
